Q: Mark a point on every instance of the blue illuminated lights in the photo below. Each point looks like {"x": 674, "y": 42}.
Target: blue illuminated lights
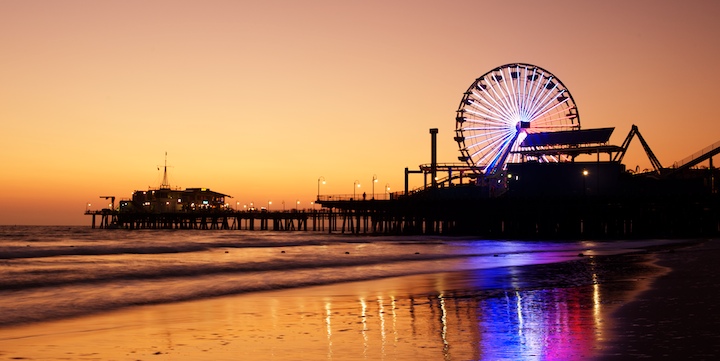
{"x": 504, "y": 105}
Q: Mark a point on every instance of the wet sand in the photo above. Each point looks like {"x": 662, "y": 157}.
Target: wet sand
{"x": 679, "y": 317}
{"x": 539, "y": 312}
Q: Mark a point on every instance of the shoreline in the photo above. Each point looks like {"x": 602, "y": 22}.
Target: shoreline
{"x": 505, "y": 313}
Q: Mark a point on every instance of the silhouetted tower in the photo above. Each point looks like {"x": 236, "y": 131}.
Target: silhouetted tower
{"x": 433, "y": 156}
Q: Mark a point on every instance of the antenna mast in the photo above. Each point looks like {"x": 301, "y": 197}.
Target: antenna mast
{"x": 165, "y": 184}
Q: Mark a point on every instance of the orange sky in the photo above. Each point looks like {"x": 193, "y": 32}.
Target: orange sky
{"x": 257, "y": 99}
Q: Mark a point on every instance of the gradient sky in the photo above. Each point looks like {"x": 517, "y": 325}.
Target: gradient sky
{"x": 257, "y": 99}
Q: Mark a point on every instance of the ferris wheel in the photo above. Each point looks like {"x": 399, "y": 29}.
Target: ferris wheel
{"x": 503, "y": 106}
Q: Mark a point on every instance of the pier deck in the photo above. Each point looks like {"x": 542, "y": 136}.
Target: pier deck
{"x": 276, "y": 220}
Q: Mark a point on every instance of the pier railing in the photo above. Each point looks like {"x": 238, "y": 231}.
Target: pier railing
{"x": 358, "y": 197}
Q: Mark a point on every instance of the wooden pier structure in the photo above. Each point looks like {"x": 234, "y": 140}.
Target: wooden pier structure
{"x": 223, "y": 219}
{"x": 571, "y": 217}
{"x": 362, "y": 217}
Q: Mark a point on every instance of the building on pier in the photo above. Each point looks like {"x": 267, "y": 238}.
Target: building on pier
{"x": 165, "y": 199}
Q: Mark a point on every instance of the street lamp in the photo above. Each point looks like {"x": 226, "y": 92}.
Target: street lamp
{"x": 323, "y": 182}
{"x": 356, "y": 184}
{"x": 387, "y": 190}
{"x": 269, "y": 203}
{"x": 374, "y": 180}
{"x": 297, "y": 204}
{"x": 585, "y": 174}
{"x": 283, "y": 203}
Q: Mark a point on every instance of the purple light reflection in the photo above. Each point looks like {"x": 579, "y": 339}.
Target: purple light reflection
{"x": 554, "y": 324}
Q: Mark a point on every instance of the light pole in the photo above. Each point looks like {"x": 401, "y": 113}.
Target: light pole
{"x": 374, "y": 180}
{"x": 312, "y": 203}
{"x": 88, "y": 207}
{"x": 297, "y": 204}
{"x": 269, "y": 203}
{"x": 321, "y": 179}
{"x": 283, "y": 203}
{"x": 356, "y": 184}
{"x": 585, "y": 174}
{"x": 387, "y": 190}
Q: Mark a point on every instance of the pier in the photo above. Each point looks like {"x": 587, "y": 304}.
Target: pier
{"x": 223, "y": 219}
{"x": 541, "y": 176}
{"x": 456, "y": 212}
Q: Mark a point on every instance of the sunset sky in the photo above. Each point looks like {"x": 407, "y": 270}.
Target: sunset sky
{"x": 258, "y": 99}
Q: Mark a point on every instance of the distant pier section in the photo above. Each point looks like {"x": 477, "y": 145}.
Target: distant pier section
{"x": 224, "y": 219}
{"x": 195, "y": 208}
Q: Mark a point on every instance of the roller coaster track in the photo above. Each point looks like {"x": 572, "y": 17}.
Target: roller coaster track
{"x": 651, "y": 156}
{"x": 695, "y": 159}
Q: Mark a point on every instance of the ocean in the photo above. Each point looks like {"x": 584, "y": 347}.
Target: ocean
{"x": 49, "y": 273}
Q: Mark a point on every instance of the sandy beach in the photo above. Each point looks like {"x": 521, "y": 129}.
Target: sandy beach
{"x": 635, "y": 309}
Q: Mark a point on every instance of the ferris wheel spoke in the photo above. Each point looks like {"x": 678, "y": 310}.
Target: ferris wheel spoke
{"x": 482, "y": 118}
{"x": 557, "y": 116}
{"x": 488, "y": 137}
{"x": 525, "y": 98}
{"x": 527, "y": 88}
{"x": 483, "y": 111}
{"x": 543, "y": 101}
{"x": 519, "y": 94}
{"x": 489, "y": 142}
{"x": 535, "y": 88}
{"x": 510, "y": 94}
{"x": 510, "y": 89}
{"x": 504, "y": 97}
{"x": 487, "y": 126}
{"x": 494, "y": 106}
{"x": 498, "y": 123}
{"x": 547, "y": 107}
{"x": 502, "y": 139}
{"x": 484, "y": 125}
{"x": 551, "y": 110}
{"x": 487, "y": 132}
{"x": 506, "y": 109}
{"x": 492, "y": 119}
{"x": 502, "y": 154}
{"x": 489, "y": 154}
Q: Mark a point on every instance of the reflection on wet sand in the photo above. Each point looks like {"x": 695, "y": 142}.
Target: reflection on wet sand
{"x": 535, "y": 325}
{"x": 438, "y": 316}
